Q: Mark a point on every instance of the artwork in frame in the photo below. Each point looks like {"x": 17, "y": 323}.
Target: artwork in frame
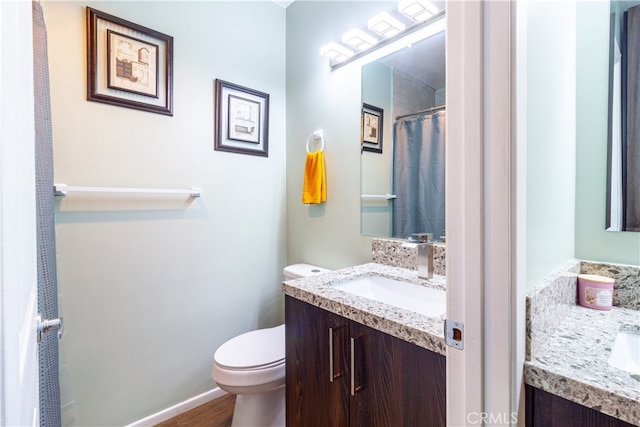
{"x": 241, "y": 119}
{"x": 372, "y": 118}
{"x": 128, "y": 65}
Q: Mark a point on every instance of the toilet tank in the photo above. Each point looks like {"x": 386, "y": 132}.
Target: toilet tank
{"x": 302, "y": 270}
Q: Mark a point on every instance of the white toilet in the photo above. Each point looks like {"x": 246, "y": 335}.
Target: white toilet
{"x": 251, "y": 366}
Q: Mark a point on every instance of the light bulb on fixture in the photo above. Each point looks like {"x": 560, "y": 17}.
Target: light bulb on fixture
{"x": 336, "y": 52}
{"x": 418, "y": 10}
{"x": 385, "y": 25}
{"x": 358, "y": 39}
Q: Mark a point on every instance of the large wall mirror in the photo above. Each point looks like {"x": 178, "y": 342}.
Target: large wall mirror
{"x": 623, "y": 156}
{"x": 403, "y": 141}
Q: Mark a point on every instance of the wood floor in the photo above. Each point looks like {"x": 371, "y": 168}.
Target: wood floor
{"x": 216, "y": 413}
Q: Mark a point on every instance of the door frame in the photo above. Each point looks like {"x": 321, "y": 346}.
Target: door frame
{"x": 483, "y": 277}
{"x": 18, "y": 252}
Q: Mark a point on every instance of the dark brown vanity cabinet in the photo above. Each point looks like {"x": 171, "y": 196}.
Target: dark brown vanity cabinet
{"x": 342, "y": 373}
{"x": 547, "y": 410}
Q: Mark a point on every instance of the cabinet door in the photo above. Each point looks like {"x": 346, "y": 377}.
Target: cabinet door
{"x": 316, "y": 366}
{"x": 548, "y": 410}
{"x": 394, "y": 382}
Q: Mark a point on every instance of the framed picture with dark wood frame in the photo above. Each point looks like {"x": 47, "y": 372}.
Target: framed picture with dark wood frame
{"x": 128, "y": 65}
{"x": 241, "y": 119}
{"x": 371, "y": 126}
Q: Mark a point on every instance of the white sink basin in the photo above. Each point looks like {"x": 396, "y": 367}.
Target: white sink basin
{"x": 625, "y": 353}
{"x": 420, "y": 299}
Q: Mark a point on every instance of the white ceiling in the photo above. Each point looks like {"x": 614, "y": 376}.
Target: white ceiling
{"x": 283, "y": 3}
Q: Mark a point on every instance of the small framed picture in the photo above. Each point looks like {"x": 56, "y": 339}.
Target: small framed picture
{"x": 372, "y": 118}
{"x": 241, "y": 119}
{"x": 128, "y": 65}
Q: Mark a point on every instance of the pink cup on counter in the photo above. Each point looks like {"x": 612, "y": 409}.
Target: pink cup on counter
{"x": 595, "y": 291}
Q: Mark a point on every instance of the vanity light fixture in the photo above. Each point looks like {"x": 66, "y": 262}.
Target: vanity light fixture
{"x": 385, "y": 25}
{"x": 336, "y": 52}
{"x": 358, "y": 39}
{"x": 418, "y": 10}
{"x": 394, "y": 33}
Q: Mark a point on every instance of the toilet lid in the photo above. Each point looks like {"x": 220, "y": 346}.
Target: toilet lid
{"x": 252, "y": 349}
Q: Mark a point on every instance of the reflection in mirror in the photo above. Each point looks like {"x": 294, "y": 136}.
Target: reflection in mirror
{"x": 623, "y": 154}
{"x": 403, "y": 184}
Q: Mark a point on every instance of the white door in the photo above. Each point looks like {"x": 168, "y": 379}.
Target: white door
{"x": 18, "y": 263}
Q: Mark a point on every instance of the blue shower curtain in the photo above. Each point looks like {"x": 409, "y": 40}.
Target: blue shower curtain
{"x": 418, "y": 175}
{"x": 50, "y": 412}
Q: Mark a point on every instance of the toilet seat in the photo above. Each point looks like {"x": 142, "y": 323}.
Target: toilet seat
{"x": 254, "y": 350}
{"x": 249, "y": 381}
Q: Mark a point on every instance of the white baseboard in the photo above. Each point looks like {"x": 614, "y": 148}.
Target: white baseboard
{"x": 180, "y": 408}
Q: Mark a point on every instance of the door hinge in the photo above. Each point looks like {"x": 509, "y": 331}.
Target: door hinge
{"x": 454, "y": 334}
{"x": 48, "y": 325}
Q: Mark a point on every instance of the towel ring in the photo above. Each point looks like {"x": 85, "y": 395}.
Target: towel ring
{"x": 316, "y": 135}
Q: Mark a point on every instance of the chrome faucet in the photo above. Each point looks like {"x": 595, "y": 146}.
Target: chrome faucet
{"x": 425, "y": 260}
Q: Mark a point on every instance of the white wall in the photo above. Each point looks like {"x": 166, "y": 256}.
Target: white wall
{"x": 327, "y": 234}
{"x": 151, "y": 286}
{"x": 592, "y": 241}
{"x": 551, "y": 136}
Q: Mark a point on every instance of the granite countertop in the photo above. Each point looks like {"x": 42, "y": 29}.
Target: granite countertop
{"x": 424, "y": 331}
{"x": 573, "y": 363}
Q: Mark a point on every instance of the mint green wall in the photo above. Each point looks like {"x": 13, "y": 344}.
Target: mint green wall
{"x": 318, "y": 98}
{"x": 592, "y": 241}
{"x": 551, "y": 146}
{"x": 150, "y": 286}
{"x": 567, "y": 94}
{"x": 377, "y": 90}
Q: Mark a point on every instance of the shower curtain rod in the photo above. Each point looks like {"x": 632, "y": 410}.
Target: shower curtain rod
{"x": 419, "y": 113}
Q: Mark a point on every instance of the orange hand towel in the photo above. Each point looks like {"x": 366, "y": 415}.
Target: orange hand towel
{"x": 314, "y": 187}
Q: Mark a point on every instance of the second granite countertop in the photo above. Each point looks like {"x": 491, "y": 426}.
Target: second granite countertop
{"x": 573, "y": 363}
{"x": 424, "y": 331}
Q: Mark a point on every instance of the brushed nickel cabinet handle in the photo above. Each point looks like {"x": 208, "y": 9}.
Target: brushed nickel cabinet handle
{"x": 331, "y": 355}
{"x": 355, "y": 387}
{"x": 353, "y": 367}
{"x": 335, "y": 370}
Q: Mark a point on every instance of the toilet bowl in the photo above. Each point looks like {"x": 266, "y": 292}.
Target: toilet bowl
{"x": 252, "y": 366}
